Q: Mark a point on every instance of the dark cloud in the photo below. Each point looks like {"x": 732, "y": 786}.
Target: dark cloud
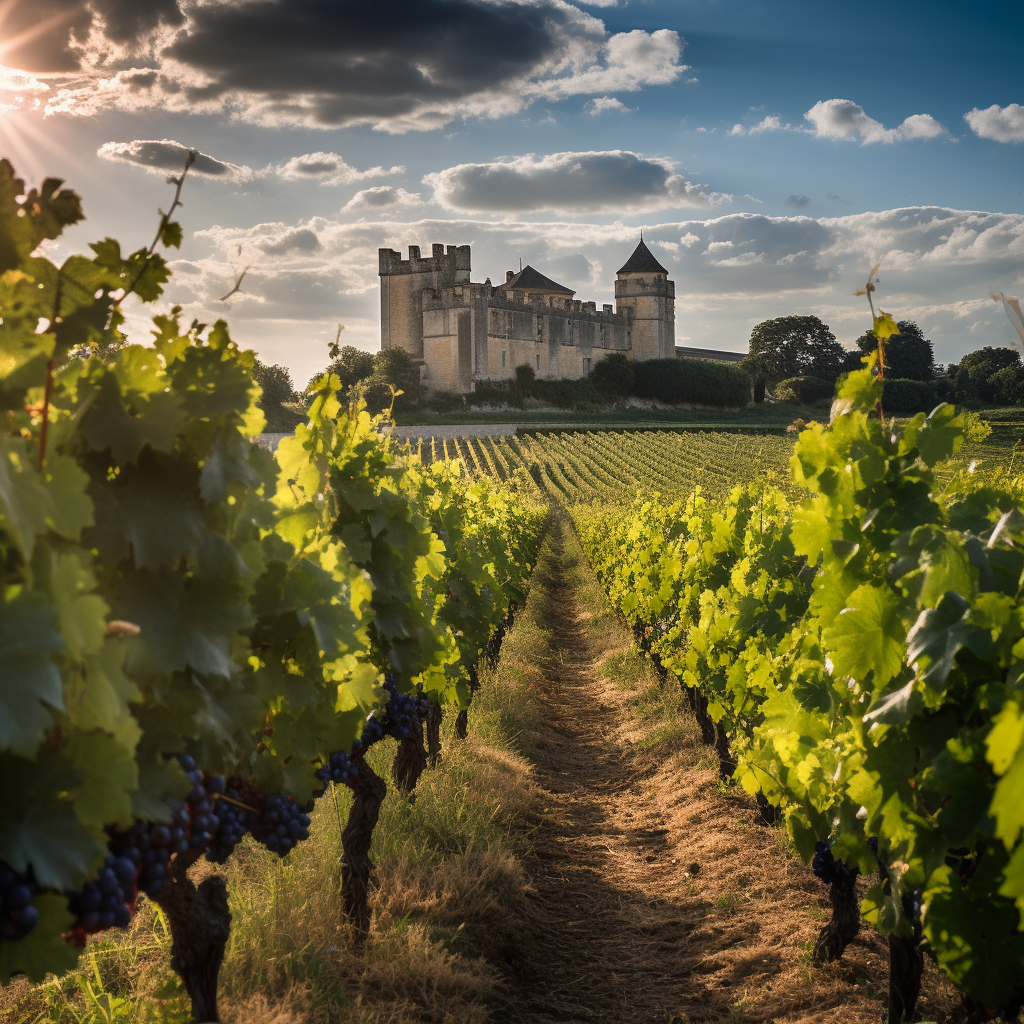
{"x": 300, "y": 240}
{"x": 167, "y": 155}
{"x": 47, "y": 30}
{"x": 797, "y": 200}
{"x": 356, "y": 60}
{"x": 613, "y": 180}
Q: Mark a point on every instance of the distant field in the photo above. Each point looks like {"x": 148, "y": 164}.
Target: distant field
{"x": 610, "y": 466}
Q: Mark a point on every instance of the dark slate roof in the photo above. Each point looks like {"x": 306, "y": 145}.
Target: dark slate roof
{"x": 530, "y": 280}
{"x": 715, "y": 354}
{"x": 642, "y": 259}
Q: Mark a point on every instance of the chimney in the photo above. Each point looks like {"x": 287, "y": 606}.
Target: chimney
{"x": 509, "y": 274}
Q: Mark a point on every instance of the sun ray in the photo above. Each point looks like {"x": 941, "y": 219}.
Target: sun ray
{"x": 12, "y": 42}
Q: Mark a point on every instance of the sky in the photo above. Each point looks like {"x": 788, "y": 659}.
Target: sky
{"x": 771, "y": 151}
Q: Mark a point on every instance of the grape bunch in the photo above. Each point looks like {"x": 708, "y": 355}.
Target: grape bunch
{"x": 203, "y": 820}
{"x": 402, "y": 714}
{"x": 338, "y": 768}
{"x": 281, "y": 824}
{"x": 234, "y": 817}
{"x": 17, "y": 915}
{"x": 150, "y": 848}
{"x": 108, "y": 900}
{"x": 824, "y": 865}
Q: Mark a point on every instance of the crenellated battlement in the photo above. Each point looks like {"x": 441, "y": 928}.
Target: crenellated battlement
{"x": 456, "y": 258}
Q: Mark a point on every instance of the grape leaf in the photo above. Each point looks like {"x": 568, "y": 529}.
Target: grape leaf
{"x": 867, "y": 637}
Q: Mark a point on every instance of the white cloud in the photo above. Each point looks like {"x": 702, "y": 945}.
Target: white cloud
{"x": 380, "y": 196}
{"x": 603, "y": 104}
{"x": 844, "y": 119}
{"x": 611, "y": 181}
{"x": 328, "y": 169}
{"x": 1002, "y": 124}
{"x": 162, "y": 155}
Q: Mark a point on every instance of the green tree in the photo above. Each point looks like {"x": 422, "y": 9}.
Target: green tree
{"x": 974, "y": 376}
{"x": 908, "y": 355}
{"x": 793, "y": 346}
{"x": 278, "y": 390}
{"x": 613, "y": 376}
{"x": 1008, "y": 385}
{"x": 392, "y": 368}
{"x": 352, "y": 365}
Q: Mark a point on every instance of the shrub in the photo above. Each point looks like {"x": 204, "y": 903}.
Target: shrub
{"x": 445, "y": 401}
{"x": 692, "y": 380}
{"x": 567, "y": 394}
{"x": 494, "y": 392}
{"x": 804, "y": 389}
{"x": 902, "y": 395}
{"x": 613, "y": 376}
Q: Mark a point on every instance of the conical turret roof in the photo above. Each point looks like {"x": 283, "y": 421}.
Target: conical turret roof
{"x": 642, "y": 259}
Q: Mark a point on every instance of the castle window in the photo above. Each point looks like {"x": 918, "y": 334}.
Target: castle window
{"x": 538, "y": 360}
{"x": 503, "y": 359}
{"x": 586, "y": 364}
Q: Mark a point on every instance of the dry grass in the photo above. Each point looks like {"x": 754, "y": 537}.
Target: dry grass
{"x": 659, "y": 897}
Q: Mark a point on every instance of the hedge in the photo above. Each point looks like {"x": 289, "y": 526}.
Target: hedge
{"x": 701, "y": 381}
{"x": 804, "y": 389}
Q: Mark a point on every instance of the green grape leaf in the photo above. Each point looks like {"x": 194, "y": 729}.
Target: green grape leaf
{"x": 867, "y": 637}
{"x": 30, "y": 682}
{"x": 108, "y": 775}
{"x": 896, "y": 708}
{"x": 973, "y": 933}
{"x": 939, "y": 633}
{"x": 38, "y": 825}
{"x": 125, "y": 424}
{"x": 941, "y": 435}
{"x": 1005, "y": 752}
{"x": 170, "y": 234}
{"x": 82, "y": 615}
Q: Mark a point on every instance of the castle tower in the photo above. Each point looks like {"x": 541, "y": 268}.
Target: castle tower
{"x": 402, "y": 283}
{"x": 642, "y": 285}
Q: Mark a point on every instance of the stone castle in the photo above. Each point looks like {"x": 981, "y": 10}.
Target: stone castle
{"x": 461, "y": 332}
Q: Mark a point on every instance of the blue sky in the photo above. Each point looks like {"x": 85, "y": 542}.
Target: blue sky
{"x": 772, "y": 151}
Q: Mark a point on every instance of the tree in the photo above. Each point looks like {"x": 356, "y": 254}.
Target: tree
{"x": 908, "y": 355}
{"x": 352, "y": 366}
{"x": 793, "y": 346}
{"x": 278, "y": 390}
{"x": 974, "y": 376}
{"x": 392, "y": 368}
{"x": 613, "y": 376}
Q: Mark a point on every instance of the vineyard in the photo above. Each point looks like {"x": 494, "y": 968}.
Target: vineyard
{"x": 467, "y": 730}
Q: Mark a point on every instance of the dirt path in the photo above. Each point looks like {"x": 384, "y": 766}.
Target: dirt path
{"x": 658, "y": 900}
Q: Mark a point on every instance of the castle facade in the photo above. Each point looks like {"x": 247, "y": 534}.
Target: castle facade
{"x": 461, "y": 332}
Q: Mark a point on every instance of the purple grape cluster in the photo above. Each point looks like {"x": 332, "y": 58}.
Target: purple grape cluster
{"x": 823, "y": 864}
{"x": 234, "y": 817}
{"x": 107, "y": 901}
{"x": 17, "y": 915}
{"x": 150, "y": 848}
{"x": 203, "y": 822}
{"x": 281, "y": 824}
{"x": 402, "y": 714}
{"x": 339, "y": 768}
